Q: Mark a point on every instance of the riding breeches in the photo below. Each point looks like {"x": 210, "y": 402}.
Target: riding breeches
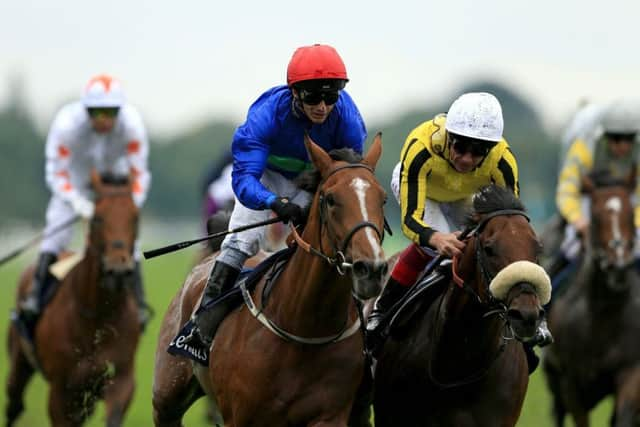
{"x": 237, "y": 247}
{"x": 58, "y": 212}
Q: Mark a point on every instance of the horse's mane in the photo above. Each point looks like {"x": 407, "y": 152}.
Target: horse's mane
{"x": 493, "y": 198}
{"x": 309, "y": 180}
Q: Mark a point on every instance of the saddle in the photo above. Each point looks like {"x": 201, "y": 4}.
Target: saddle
{"x": 428, "y": 288}
{"x": 232, "y": 299}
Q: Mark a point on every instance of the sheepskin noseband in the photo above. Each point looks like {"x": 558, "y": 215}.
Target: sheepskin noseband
{"x": 522, "y": 271}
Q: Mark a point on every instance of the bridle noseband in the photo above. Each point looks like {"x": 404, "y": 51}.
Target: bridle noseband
{"x": 339, "y": 259}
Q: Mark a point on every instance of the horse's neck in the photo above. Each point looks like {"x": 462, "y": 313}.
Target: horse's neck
{"x": 310, "y": 294}
{"x": 85, "y": 282}
{"x": 462, "y": 332}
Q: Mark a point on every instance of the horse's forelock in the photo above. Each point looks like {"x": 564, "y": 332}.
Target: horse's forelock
{"x": 309, "y": 180}
{"x": 492, "y": 198}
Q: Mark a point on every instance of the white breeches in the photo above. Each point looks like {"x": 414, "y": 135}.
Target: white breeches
{"x": 249, "y": 242}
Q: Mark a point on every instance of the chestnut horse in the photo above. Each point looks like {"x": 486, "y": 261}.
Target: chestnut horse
{"x": 596, "y": 323}
{"x": 86, "y": 337}
{"x": 298, "y": 360}
{"x": 458, "y": 360}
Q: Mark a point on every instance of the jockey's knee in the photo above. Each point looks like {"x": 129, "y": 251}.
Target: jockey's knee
{"x": 411, "y": 263}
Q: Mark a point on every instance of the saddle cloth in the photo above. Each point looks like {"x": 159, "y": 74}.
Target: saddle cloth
{"x": 232, "y": 299}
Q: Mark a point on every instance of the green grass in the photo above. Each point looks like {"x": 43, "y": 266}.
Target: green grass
{"x": 163, "y": 276}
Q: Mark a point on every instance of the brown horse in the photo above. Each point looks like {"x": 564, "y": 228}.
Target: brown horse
{"x": 454, "y": 361}
{"x": 86, "y": 337}
{"x": 299, "y": 359}
{"x": 596, "y": 323}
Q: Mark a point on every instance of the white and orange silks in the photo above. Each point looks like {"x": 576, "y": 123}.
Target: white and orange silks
{"x": 73, "y": 149}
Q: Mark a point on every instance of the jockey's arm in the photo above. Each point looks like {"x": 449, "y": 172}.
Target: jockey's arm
{"x": 137, "y": 153}
{"x": 579, "y": 160}
{"x": 58, "y": 153}
{"x": 250, "y": 152}
{"x": 506, "y": 173}
{"x": 416, "y": 166}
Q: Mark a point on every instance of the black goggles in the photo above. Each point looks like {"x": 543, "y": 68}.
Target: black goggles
{"x": 315, "y": 97}
{"x": 103, "y": 111}
{"x": 617, "y": 138}
{"x": 464, "y": 144}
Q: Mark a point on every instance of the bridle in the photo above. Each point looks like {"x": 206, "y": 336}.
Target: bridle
{"x": 481, "y": 259}
{"x": 339, "y": 259}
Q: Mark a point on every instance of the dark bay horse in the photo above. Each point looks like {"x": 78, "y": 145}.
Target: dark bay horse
{"x": 596, "y": 323}
{"x": 86, "y": 337}
{"x": 458, "y": 361}
{"x": 301, "y": 361}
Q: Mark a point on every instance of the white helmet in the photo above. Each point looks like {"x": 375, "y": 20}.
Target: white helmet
{"x": 621, "y": 117}
{"x": 103, "y": 91}
{"x": 476, "y": 115}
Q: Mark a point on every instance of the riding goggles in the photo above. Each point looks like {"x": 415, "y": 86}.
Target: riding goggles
{"x": 329, "y": 97}
{"x": 102, "y": 111}
{"x": 464, "y": 144}
{"x": 617, "y": 138}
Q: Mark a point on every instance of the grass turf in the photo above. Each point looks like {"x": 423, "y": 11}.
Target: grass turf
{"x": 163, "y": 276}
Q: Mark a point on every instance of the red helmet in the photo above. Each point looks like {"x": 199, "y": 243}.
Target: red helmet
{"x": 318, "y": 61}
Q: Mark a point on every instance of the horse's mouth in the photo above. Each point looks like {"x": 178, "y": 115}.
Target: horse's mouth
{"x": 524, "y": 325}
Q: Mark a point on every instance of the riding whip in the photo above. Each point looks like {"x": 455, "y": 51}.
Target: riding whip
{"x": 39, "y": 237}
{"x": 177, "y": 246}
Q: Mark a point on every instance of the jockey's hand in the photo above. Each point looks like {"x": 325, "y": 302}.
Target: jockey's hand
{"x": 287, "y": 211}
{"x": 582, "y": 226}
{"x": 447, "y": 243}
{"x": 83, "y": 207}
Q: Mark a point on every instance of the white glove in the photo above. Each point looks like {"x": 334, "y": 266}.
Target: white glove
{"x": 83, "y": 207}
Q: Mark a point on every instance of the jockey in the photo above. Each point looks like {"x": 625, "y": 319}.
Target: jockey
{"x": 100, "y": 131}
{"x": 444, "y": 161}
{"x": 613, "y": 149}
{"x": 269, "y": 152}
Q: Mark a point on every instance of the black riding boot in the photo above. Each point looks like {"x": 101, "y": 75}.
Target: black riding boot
{"x": 222, "y": 278}
{"x": 32, "y": 305}
{"x": 145, "y": 312}
{"x": 390, "y": 295}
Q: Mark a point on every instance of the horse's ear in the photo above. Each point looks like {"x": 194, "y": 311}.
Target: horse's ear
{"x": 96, "y": 181}
{"x": 374, "y": 153}
{"x": 321, "y": 160}
{"x": 586, "y": 184}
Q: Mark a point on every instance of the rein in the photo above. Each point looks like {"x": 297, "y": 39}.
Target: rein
{"x": 493, "y": 307}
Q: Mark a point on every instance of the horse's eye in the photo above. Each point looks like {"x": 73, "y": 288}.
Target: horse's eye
{"x": 331, "y": 201}
{"x": 488, "y": 250}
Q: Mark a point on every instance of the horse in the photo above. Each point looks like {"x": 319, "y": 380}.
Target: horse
{"x": 454, "y": 356}
{"x": 298, "y": 360}
{"x": 86, "y": 337}
{"x": 595, "y": 322}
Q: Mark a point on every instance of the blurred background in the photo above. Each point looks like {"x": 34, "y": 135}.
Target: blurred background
{"x": 193, "y": 68}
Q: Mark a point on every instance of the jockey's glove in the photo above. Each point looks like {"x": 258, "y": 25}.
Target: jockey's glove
{"x": 82, "y": 206}
{"x": 287, "y": 211}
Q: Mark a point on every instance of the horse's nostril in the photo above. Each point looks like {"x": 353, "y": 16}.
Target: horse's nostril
{"x": 360, "y": 269}
{"x": 515, "y": 315}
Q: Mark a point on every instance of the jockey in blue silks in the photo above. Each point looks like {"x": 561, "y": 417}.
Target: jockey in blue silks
{"x": 269, "y": 152}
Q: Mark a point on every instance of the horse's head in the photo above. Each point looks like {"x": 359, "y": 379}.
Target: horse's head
{"x": 612, "y": 231}
{"x": 114, "y": 225}
{"x": 348, "y": 213}
{"x": 502, "y": 256}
